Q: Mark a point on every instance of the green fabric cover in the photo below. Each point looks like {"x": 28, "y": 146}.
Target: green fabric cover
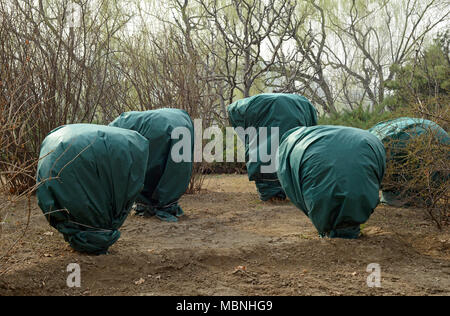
{"x": 401, "y": 130}
{"x": 165, "y": 180}
{"x": 395, "y": 135}
{"x": 268, "y": 189}
{"x": 284, "y": 111}
{"x": 91, "y": 176}
{"x": 333, "y": 174}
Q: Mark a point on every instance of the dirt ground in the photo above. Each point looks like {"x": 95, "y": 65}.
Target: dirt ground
{"x": 231, "y": 243}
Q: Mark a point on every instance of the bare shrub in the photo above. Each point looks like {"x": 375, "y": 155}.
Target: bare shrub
{"x": 418, "y": 173}
{"x": 199, "y": 173}
{"x": 435, "y": 109}
{"x": 52, "y": 74}
{"x": 18, "y": 142}
{"x": 175, "y": 75}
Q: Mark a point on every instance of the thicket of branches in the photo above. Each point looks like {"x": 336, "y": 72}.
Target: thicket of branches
{"x": 71, "y": 61}
{"x": 419, "y": 175}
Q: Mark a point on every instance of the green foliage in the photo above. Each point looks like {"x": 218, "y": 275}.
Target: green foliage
{"x": 425, "y": 76}
{"x": 360, "y": 118}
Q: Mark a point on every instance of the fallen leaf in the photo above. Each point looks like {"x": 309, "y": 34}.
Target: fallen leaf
{"x": 240, "y": 268}
{"x": 140, "y": 281}
{"x": 48, "y": 234}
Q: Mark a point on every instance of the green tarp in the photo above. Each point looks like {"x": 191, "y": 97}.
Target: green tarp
{"x": 401, "y": 130}
{"x": 90, "y": 176}
{"x": 165, "y": 180}
{"x": 395, "y": 135}
{"x": 333, "y": 174}
{"x": 284, "y": 111}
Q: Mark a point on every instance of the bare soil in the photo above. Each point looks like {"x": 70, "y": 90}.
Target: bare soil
{"x": 231, "y": 243}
